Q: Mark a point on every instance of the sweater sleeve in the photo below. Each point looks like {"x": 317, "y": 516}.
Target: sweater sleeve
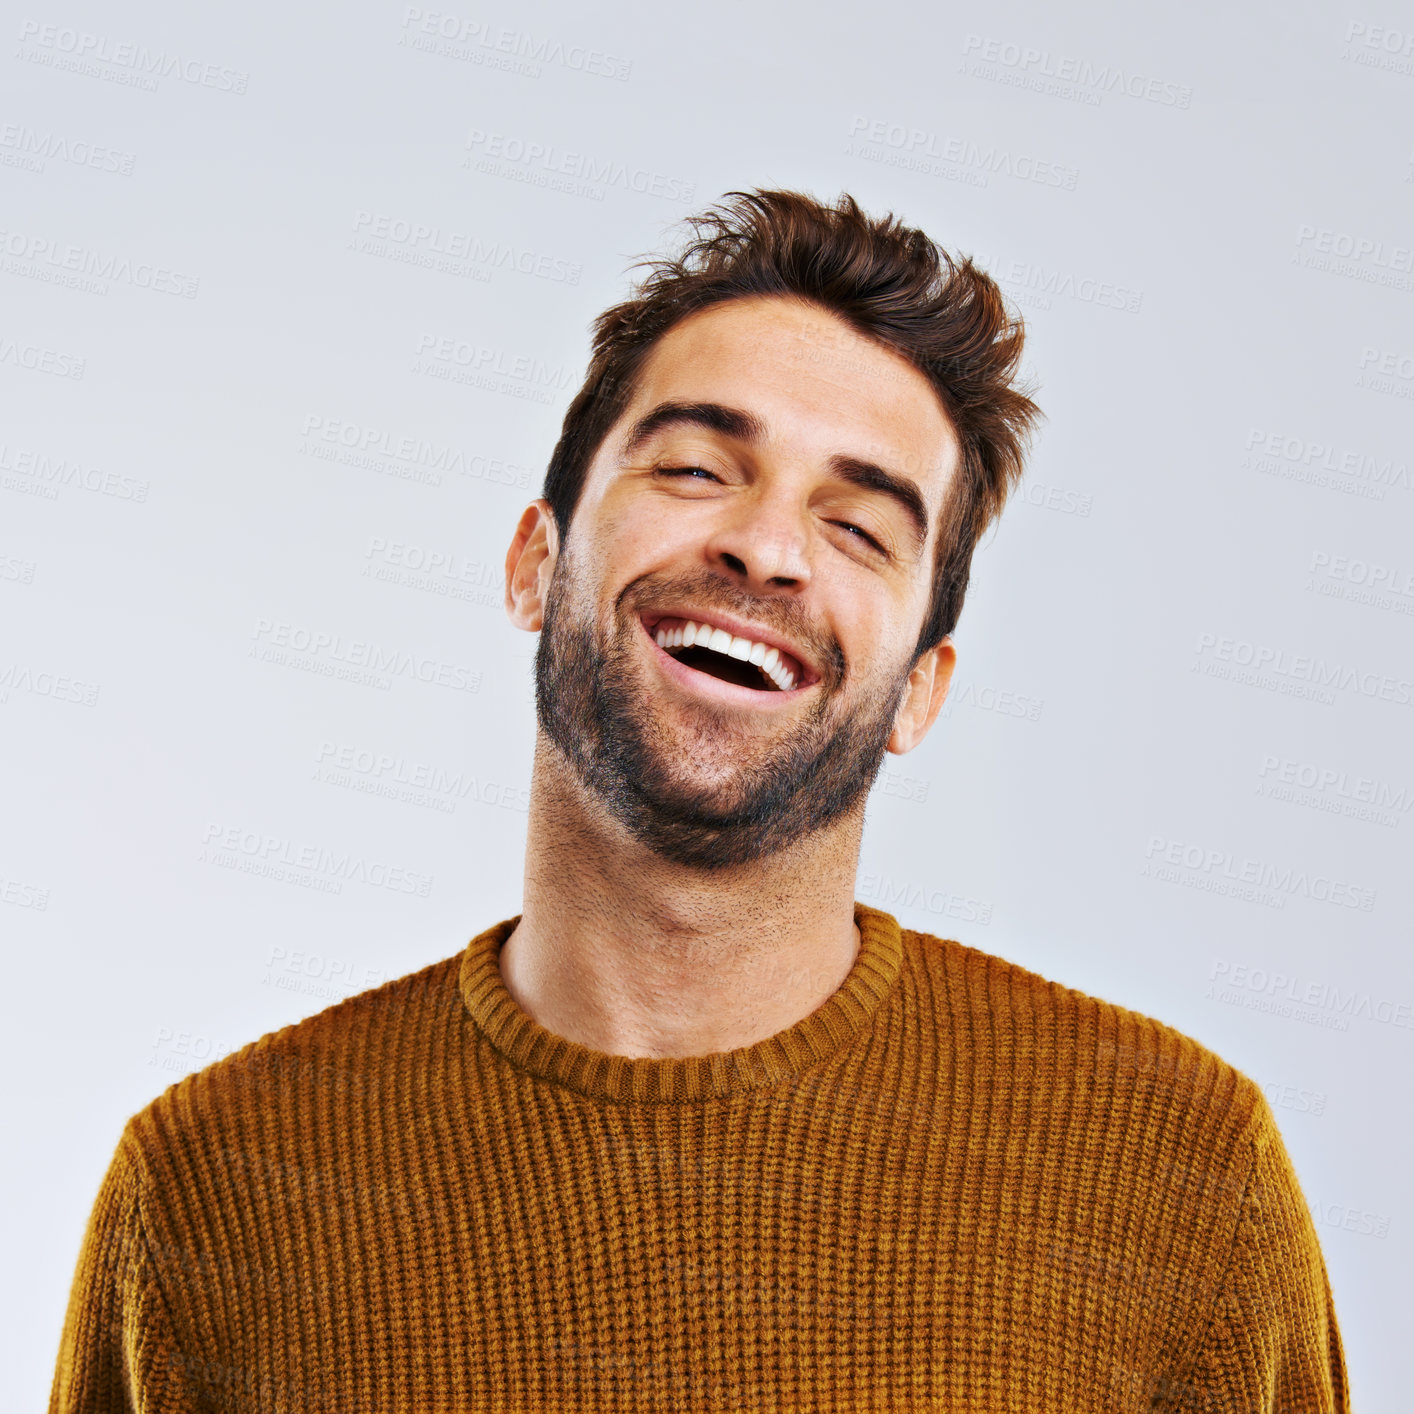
{"x": 117, "y": 1353}
{"x": 1272, "y": 1345}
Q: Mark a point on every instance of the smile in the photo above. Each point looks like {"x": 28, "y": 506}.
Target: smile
{"x": 736, "y": 658}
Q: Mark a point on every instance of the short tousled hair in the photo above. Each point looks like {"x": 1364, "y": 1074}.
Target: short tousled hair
{"x": 887, "y": 281}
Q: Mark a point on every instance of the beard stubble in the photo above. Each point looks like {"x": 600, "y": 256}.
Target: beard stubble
{"x": 594, "y": 709}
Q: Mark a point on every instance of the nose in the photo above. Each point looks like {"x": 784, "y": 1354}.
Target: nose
{"x": 762, "y": 542}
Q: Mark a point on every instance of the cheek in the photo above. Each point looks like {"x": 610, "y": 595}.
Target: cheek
{"x": 877, "y": 649}
{"x": 622, "y": 546}
{"x": 639, "y": 539}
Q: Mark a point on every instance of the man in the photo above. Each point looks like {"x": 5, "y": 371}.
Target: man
{"x": 696, "y": 1131}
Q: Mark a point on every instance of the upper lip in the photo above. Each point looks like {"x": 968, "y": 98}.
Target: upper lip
{"x": 739, "y": 628}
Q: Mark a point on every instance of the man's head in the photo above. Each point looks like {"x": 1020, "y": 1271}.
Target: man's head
{"x": 792, "y": 437}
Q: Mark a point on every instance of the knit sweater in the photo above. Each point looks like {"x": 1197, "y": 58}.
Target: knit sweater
{"x": 956, "y": 1186}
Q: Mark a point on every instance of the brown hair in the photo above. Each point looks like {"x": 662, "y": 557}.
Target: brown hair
{"x": 890, "y": 283}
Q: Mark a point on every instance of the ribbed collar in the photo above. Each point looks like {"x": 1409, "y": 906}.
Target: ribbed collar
{"x": 680, "y": 1079}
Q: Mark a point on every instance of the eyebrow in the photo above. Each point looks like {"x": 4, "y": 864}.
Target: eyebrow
{"x": 743, "y": 426}
{"x": 872, "y": 477}
{"x": 730, "y": 422}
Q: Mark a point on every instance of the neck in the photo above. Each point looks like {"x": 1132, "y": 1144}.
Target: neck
{"x": 627, "y": 953}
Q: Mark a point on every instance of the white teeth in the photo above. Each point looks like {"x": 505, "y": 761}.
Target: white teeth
{"x": 769, "y": 660}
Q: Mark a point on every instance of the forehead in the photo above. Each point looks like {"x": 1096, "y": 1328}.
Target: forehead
{"x": 818, "y": 385}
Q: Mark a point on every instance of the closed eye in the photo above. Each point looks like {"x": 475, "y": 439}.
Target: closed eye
{"x": 684, "y": 471}
{"x": 861, "y": 533}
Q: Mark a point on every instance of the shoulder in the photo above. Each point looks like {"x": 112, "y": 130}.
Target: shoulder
{"x": 1072, "y": 1044}
{"x": 312, "y": 1070}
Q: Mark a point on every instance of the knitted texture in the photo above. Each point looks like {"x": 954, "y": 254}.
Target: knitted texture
{"x": 954, "y": 1186}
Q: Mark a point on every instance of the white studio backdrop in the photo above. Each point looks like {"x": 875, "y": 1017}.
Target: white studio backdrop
{"x": 292, "y": 300}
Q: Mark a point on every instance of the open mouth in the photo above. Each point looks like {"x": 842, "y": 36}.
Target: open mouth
{"x": 727, "y": 657}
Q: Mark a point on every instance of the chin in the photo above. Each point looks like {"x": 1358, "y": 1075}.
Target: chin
{"x": 715, "y": 797}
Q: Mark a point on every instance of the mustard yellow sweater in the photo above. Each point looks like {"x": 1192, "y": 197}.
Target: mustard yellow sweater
{"x": 955, "y": 1186}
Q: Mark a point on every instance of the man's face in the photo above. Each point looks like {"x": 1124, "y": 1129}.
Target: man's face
{"x": 729, "y": 629}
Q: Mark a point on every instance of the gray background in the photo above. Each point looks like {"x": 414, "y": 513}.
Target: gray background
{"x": 291, "y": 303}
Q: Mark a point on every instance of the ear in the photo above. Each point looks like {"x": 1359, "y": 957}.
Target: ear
{"x": 923, "y": 697}
{"x": 529, "y": 564}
